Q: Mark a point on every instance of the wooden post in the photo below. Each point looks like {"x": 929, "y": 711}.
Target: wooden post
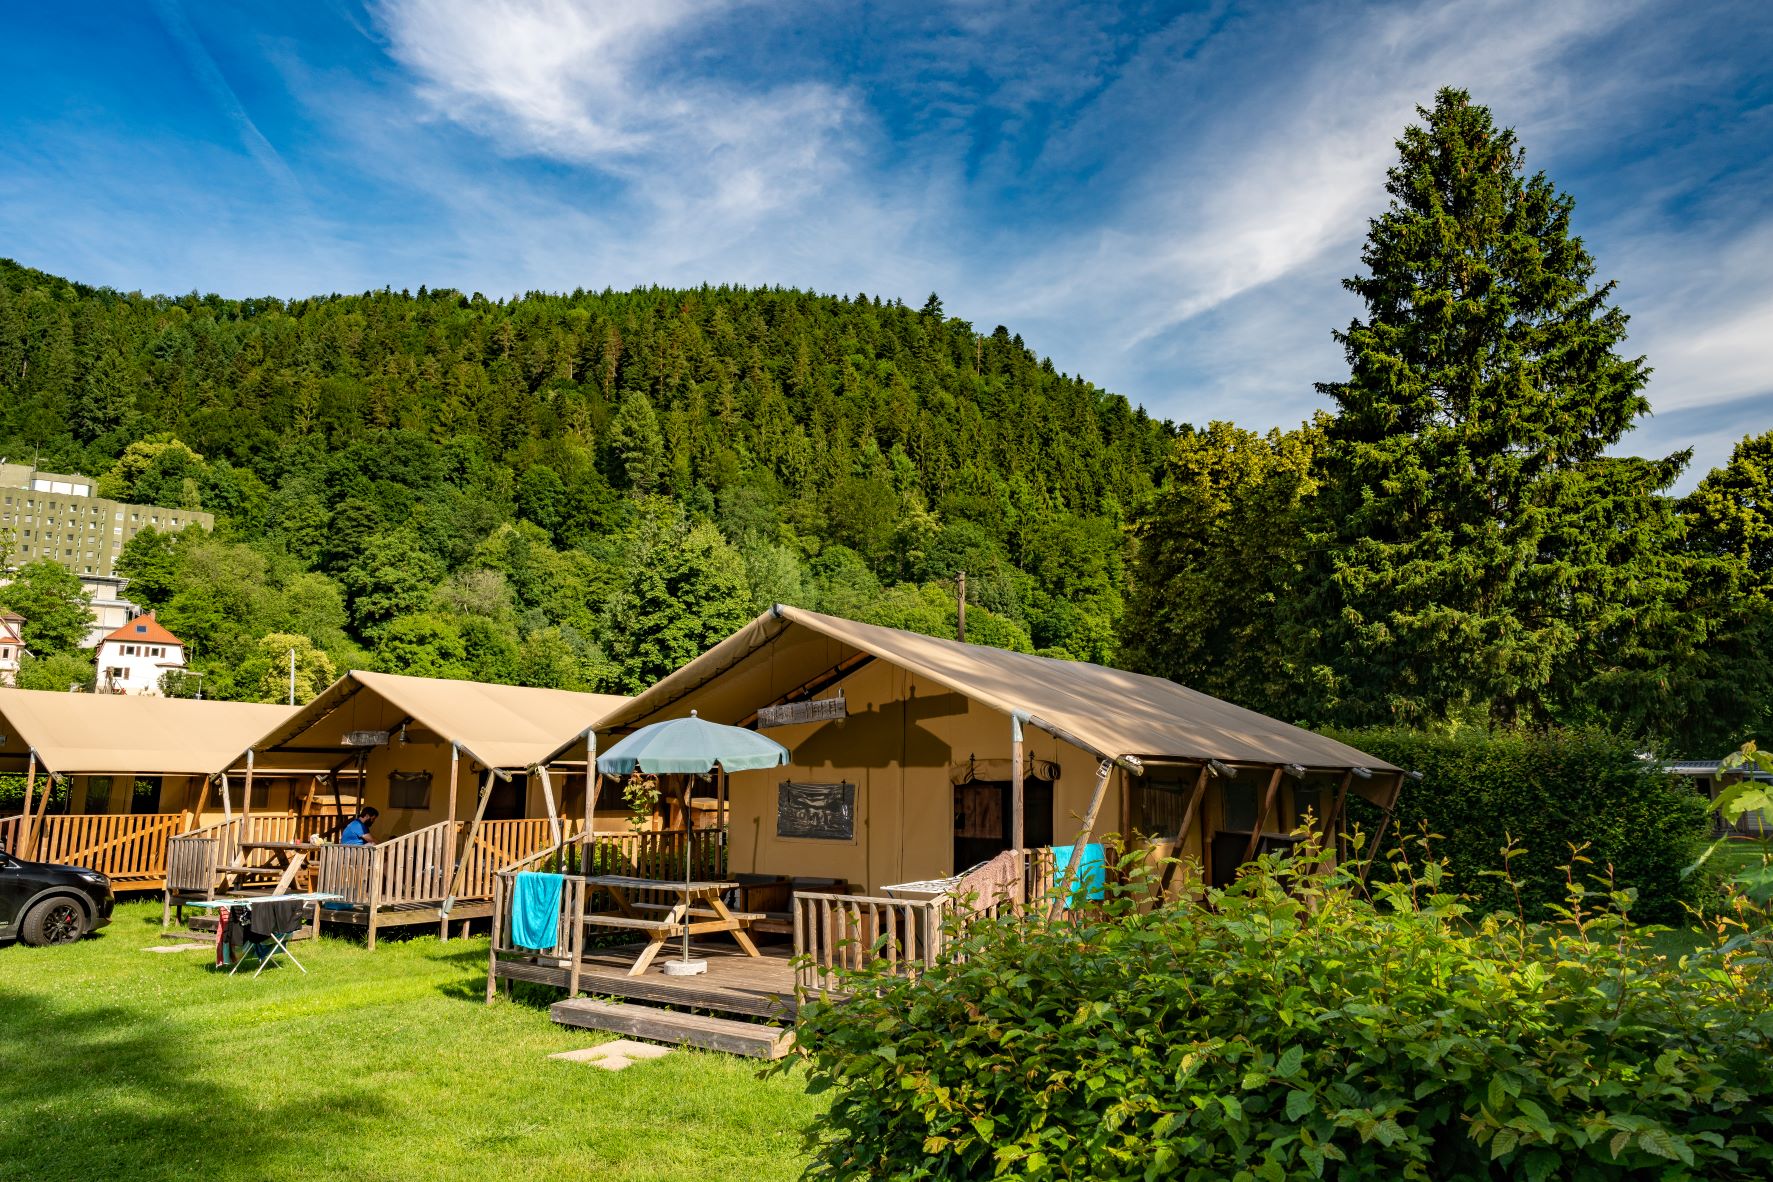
{"x": 1262, "y": 817}
{"x": 492, "y": 952}
{"x": 1190, "y": 813}
{"x": 593, "y": 782}
{"x": 1384, "y": 822}
{"x": 1103, "y": 769}
{"x": 1332, "y": 844}
{"x": 42, "y": 809}
{"x": 548, "y": 800}
{"x": 24, "y": 817}
{"x": 454, "y": 755}
{"x": 1017, "y": 795}
{"x": 246, "y": 801}
{"x": 461, "y": 860}
{"x": 196, "y": 821}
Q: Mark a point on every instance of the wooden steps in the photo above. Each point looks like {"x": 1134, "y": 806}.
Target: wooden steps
{"x": 676, "y": 1028}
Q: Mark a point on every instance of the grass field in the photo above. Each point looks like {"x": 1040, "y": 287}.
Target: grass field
{"x": 120, "y": 1064}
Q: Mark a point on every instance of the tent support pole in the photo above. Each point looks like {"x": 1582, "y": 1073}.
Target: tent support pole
{"x": 24, "y": 817}
{"x": 227, "y": 800}
{"x": 1262, "y": 817}
{"x": 43, "y": 809}
{"x": 1332, "y": 842}
{"x": 1384, "y": 822}
{"x": 1189, "y": 816}
{"x": 246, "y": 801}
{"x": 548, "y": 801}
{"x": 461, "y": 861}
{"x": 1103, "y": 769}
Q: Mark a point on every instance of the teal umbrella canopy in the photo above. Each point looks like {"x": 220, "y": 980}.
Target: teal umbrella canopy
{"x": 691, "y": 746}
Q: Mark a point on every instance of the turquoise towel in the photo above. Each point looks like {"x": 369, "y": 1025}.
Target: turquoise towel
{"x": 535, "y": 909}
{"x": 1092, "y": 872}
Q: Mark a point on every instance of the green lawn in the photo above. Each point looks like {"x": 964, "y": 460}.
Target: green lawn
{"x": 118, "y": 1064}
{"x": 1737, "y": 855}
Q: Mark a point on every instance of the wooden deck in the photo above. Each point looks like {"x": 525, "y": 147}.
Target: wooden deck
{"x": 761, "y": 986}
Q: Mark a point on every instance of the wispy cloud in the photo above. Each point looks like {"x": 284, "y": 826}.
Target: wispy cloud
{"x": 209, "y": 75}
{"x": 608, "y": 85}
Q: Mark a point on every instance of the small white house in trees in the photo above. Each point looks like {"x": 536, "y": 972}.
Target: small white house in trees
{"x": 133, "y": 658}
{"x": 12, "y": 646}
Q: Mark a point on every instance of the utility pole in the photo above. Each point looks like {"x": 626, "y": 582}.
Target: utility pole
{"x": 292, "y": 677}
{"x": 960, "y": 614}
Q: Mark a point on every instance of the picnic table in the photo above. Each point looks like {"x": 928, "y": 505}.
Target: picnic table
{"x": 699, "y": 910}
{"x": 287, "y": 864}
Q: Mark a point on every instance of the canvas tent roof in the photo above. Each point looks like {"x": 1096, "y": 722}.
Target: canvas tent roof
{"x": 1111, "y": 712}
{"x": 119, "y": 734}
{"x": 502, "y": 726}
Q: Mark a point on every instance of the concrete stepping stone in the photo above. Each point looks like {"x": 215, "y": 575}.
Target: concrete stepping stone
{"x": 181, "y": 948}
{"x": 614, "y": 1056}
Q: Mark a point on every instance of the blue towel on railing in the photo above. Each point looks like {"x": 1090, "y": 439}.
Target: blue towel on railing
{"x": 1092, "y": 872}
{"x": 535, "y": 909}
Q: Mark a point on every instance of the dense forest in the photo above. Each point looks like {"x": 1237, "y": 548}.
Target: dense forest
{"x": 576, "y": 490}
{"x": 586, "y": 490}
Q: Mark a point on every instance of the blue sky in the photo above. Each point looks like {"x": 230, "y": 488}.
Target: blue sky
{"x": 1160, "y": 197}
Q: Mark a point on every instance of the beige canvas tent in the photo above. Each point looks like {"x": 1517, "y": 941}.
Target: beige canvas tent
{"x": 460, "y": 771}
{"x": 136, "y": 770}
{"x": 913, "y": 775}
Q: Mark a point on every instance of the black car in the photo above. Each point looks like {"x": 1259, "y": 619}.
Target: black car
{"x": 42, "y": 903}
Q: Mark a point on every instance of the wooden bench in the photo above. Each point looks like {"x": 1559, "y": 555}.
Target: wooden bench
{"x": 703, "y": 912}
{"x": 630, "y": 921}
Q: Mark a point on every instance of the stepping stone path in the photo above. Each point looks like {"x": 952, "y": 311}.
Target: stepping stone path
{"x": 181, "y": 948}
{"x": 615, "y": 1056}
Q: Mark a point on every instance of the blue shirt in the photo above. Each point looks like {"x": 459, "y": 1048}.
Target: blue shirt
{"x": 356, "y": 833}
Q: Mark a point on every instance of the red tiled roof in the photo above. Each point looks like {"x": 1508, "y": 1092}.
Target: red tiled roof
{"x": 144, "y": 630}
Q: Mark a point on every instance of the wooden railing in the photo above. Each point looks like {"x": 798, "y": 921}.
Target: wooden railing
{"x": 834, "y": 932}
{"x": 128, "y": 848}
{"x": 10, "y": 828}
{"x": 412, "y": 868}
{"x": 557, "y": 964}
{"x": 496, "y": 845}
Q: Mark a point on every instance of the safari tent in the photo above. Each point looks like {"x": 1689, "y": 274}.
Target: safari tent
{"x": 920, "y": 767}
{"x": 906, "y": 749}
{"x": 458, "y": 769}
{"x": 110, "y": 779}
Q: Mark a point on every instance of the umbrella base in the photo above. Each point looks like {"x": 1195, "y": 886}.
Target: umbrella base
{"x": 685, "y": 968}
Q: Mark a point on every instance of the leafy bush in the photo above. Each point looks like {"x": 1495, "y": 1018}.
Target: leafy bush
{"x": 1551, "y": 792}
{"x": 1292, "y": 1028}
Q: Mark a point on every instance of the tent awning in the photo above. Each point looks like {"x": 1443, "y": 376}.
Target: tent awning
{"x": 120, "y": 734}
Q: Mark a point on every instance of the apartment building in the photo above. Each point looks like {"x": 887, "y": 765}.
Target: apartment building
{"x": 56, "y": 516}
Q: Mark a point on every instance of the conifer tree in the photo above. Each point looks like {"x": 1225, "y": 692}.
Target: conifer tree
{"x": 1483, "y": 378}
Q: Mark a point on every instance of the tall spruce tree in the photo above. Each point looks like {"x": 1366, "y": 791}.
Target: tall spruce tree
{"x": 1483, "y": 379}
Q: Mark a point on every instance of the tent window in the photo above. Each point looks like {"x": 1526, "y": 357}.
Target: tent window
{"x": 1238, "y": 805}
{"x": 822, "y": 811}
{"x": 98, "y": 794}
{"x": 409, "y": 790}
{"x": 145, "y": 798}
{"x": 508, "y": 798}
{"x": 1158, "y": 800}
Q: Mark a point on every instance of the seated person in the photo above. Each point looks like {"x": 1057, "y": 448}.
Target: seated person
{"x": 357, "y": 832}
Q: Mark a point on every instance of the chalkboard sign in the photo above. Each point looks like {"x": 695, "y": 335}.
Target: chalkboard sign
{"x": 824, "y": 811}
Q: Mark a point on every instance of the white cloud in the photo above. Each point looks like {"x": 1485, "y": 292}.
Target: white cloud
{"x": 611, "y": 84}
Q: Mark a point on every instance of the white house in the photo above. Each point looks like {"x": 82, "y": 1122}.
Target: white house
{"x": 132, "y": 658}
{"x": 12, "y": 646}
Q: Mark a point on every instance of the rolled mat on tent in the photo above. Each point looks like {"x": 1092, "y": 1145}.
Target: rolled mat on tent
{"x": 1092, "y": 872}
{"x": 535, "y": 909}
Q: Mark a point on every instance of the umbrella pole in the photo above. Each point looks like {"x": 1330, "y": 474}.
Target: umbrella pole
{"x": 687, "y": 833}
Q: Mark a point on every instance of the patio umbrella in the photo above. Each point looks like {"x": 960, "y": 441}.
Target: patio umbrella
{"x": 690, "y": 747}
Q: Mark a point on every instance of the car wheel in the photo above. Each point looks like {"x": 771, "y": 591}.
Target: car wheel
{"x": 53, "y": 921}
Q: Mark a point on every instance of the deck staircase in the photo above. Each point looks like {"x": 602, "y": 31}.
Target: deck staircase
{"x": 755, "y": 1040}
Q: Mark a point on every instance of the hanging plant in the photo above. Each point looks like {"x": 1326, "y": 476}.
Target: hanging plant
{"x": 641, "y": 793}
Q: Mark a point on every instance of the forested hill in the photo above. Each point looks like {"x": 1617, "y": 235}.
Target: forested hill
{"x": 577, "y": 489}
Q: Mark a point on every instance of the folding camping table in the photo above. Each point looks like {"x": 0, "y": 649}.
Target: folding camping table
{"x": 266, "y": 956}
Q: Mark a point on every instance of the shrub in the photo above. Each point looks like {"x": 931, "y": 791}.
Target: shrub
{"x": 1551, "y": 792}
{"x": 1291, "y": 1028}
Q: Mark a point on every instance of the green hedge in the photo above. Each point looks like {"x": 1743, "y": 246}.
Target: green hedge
{"x": 1294, "y": 1030}
{"x": 1549, "y": 792}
